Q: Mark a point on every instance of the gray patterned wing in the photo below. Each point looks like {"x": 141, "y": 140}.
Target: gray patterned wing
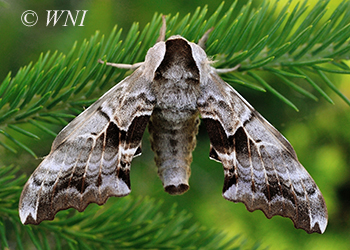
{"x": 261, "y": 167}
{"x": 90, "y": 158}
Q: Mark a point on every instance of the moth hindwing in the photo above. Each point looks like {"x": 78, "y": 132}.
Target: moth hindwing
{"x": 90, "y": 158}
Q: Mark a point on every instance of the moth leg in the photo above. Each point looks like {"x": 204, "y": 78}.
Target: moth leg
{"x": 122, "y": 65}
{"x": 222, "y": 71}
{"x": 162, "y": 30}
{"x": 204, "y": 38}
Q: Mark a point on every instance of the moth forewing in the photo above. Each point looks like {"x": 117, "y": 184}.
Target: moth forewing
{"x": 90, "y": 158}
{"x": 261, "y": 167}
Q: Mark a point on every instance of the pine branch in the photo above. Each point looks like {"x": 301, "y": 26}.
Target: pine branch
{"x": 294, "y": 46}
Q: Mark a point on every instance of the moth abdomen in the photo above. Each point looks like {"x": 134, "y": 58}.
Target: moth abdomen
{"x": 172, "y": 145}
{"x": 176, "y": 190}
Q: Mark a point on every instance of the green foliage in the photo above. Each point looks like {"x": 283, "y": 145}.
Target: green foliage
{"x": 301, "y": 47}
{"x": 291, "y": 47}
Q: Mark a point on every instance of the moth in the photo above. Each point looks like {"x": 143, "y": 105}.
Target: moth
{"x": 90, "y": 158}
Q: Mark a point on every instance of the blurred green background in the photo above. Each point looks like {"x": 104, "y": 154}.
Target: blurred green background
{"x": 320, "y": 132}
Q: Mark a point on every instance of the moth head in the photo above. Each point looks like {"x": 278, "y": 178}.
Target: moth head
{"x": 199, "y": 56}
{"x": 178, "y": 63}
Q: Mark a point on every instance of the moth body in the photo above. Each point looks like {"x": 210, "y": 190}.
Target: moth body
{"x": 174, "y": 122}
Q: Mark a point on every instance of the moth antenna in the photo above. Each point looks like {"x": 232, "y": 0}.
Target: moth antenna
{"x": 122, "y": 65}
{"x": 204, "y": 38}
{"x": 228, "y": 70}
{"x": 162, "y": 30}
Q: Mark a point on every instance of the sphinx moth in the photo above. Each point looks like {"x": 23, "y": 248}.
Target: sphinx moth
{"x": 90, "y": 158}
